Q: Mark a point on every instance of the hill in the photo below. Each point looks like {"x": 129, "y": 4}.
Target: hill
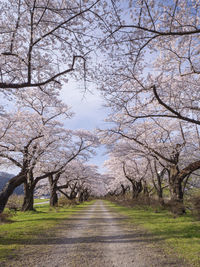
{"x": 4, "y": 178}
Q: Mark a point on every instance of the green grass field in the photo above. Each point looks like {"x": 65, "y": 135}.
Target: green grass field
{"x": 181, "y": 235}
{"x": 24, "y": 226}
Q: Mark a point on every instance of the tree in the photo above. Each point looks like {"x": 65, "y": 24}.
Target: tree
{"x": 52, "y": 164}
{"x": 153, "y": 76}
{"x": 174, "y": 148}
{"x": 158, "y": 177}
{"x": 34, "y": 119}
{"x": 128, "y": 162}
{"x": 114, "y": 177}
{"x": 19, "y": 153}
{"x": 21, "y": 147}
{"x": 81, "y": 148}
{"x": 152, "y": 60}
{"x": 135, "y": 173}
{"x": 76, "y": 181}
{"x": 44, "y": 41}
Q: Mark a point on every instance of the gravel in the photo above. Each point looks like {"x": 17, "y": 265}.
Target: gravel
{"x": 95, "y": 236}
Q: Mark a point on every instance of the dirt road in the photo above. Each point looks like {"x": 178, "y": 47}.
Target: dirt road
{"x": 95, "y": 237}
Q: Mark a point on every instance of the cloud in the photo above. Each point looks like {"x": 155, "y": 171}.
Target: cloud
{"x": 89, "y": 114}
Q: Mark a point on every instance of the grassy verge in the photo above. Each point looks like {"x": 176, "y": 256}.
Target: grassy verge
{"x": 181, "y": 235}
{"x": 24, "y": 226}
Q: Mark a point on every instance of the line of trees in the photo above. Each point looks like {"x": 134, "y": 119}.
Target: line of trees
{"x": 34, "y": 140}
{"x": 151, "y": 84}
{"x": 42, "y": 44}
{"x": 143, "y": 56}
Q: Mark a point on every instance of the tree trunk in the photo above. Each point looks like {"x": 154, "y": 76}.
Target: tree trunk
{"x": 158, "y": 184}
{"x": 160, "y": 197}
{"x": 176, "y": 180}
{"x": 159, "y": 192}
{"x": 86, "y": 196}
{"x": 9, "y": 188}
{"x": 53, "y": 191}
{"x": 137, "y": 188}
{"x": 53, "y": 196}
{"x": 28, "y": 197}
{"x": 145, "y": 189}
{"x": 81, "y": 197}
{"x": 176, "y": 192}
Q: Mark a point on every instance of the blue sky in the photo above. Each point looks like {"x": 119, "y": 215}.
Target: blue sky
{"x": 89, "y": 114}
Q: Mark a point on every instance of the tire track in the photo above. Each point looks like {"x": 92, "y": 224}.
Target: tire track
{"x": 96, "y": 236}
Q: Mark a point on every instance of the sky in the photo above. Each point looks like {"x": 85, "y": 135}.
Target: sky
{"x": 89, "y": 114}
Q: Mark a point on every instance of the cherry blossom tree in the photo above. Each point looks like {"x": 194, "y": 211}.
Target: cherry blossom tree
{"x": 44, "y": 41}
{"x": 176, "y": 149}
{"x": 82, "y": 147}
{"x": 77, "y": 180}
{"x": 152, "y": 59}
{"x": 152, "y": 76}
{"x": 159, "y": 179}
{"x": 33, "y": 156}
{"x": 144, "y": 171}
{"x": 22, "y": 148}
{"x": 127, "y": 162}
{"x": 34, "y": 119}
{"x": 115, "y": 180}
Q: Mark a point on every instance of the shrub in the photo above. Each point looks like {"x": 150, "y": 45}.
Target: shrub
{"x": 15, "y": 202}
{"x": 142, "y": 201}
{"x": 63, "y": 201}
{"x": 177, "y": 208}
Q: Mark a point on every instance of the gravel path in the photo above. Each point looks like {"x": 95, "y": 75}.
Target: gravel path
{"x": 95, "y": 237}
{"x": 41, "y": 203}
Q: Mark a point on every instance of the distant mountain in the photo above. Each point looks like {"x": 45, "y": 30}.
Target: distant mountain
{"x": 4, "y": 178}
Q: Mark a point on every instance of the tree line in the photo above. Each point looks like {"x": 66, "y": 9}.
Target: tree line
{"x": 143, "y": 56}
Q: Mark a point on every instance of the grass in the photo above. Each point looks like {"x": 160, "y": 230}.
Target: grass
{"x": 24, "y": 226}
{"x": 181, "y": 234}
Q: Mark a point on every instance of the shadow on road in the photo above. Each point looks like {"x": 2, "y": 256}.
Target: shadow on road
{"x": 127, "y": 238}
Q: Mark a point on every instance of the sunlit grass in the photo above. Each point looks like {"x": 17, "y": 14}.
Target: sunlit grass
{"x": 24, "y": 226}
{"x": 181, "y": 235}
